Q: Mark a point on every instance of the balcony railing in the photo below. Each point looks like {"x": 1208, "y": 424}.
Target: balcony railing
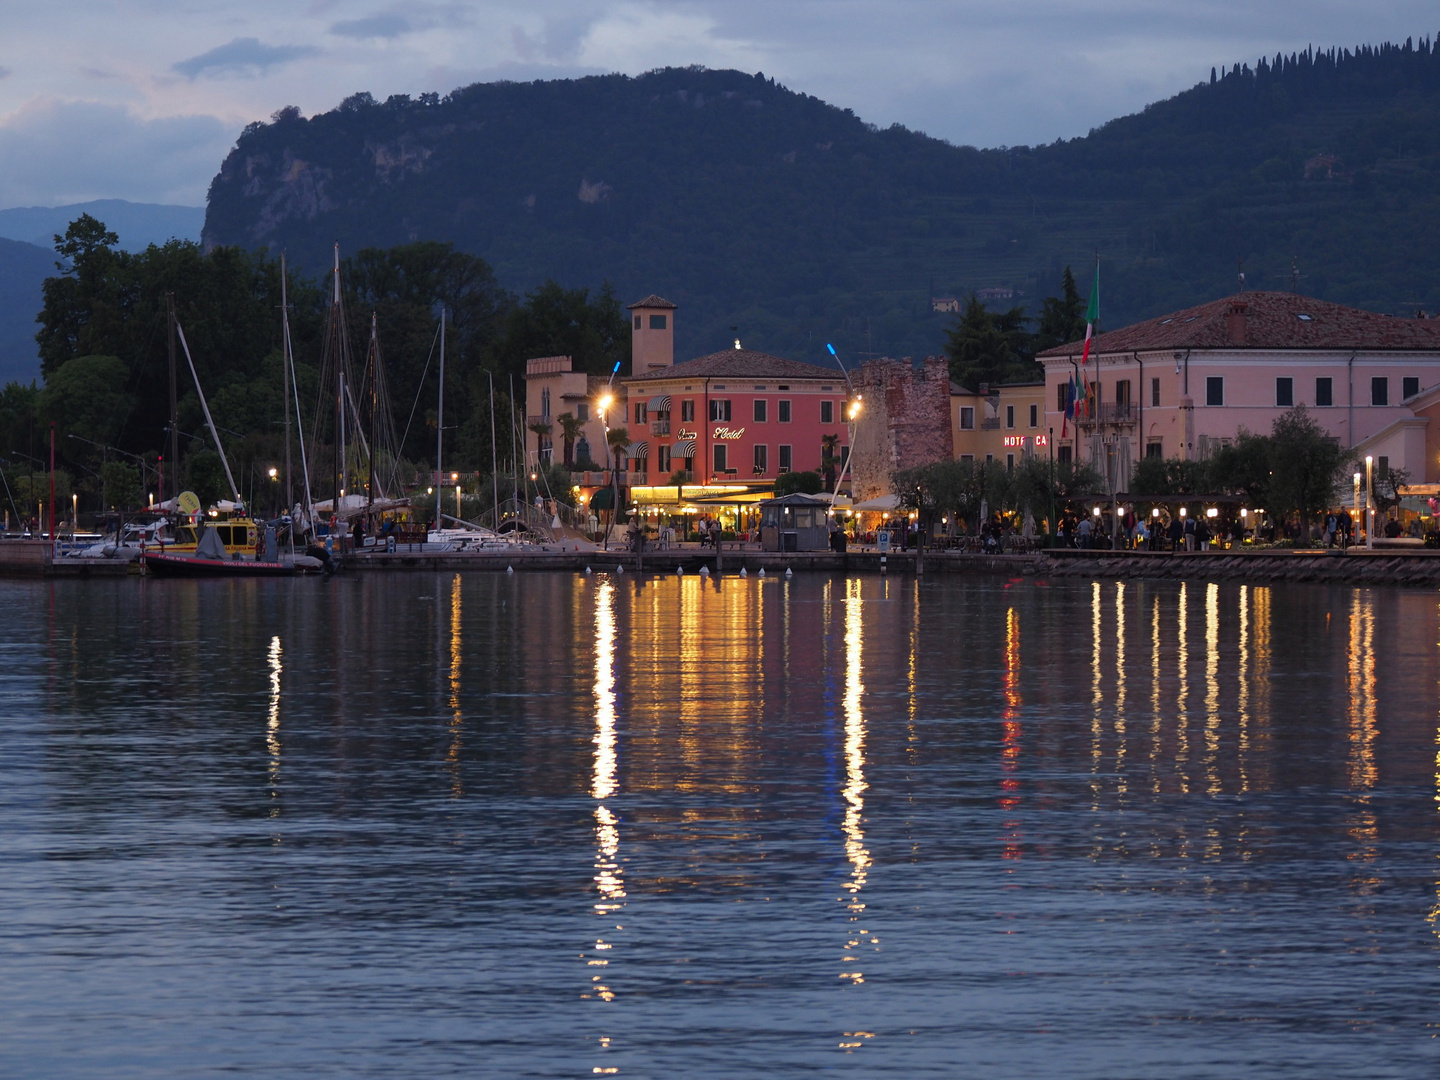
{"x": 989, "y": 423}
{"x": 659, "y": 427}
{"x": 531, "y": 421}
{"x": 1110, "y": 412}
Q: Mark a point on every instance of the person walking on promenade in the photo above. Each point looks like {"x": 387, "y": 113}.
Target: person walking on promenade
{"x": 1176, "y": 533}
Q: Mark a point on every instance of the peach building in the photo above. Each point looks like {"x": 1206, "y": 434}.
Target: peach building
{"x": 1003, "y": 422}
{"x": 1186, "y": 383}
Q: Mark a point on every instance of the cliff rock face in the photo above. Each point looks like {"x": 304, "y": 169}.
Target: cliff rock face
{"x": 754, "y": 205}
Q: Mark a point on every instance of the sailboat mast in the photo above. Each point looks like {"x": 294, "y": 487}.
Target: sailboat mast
{"x": 344, "y": 460}
{"x": 494, "y": 468}
{"x": 374, "y": 403}
{"x": 174, "y": 407}
{"x": 440, "y": 421}
{"x": 514, "y": 450}
{"x": 336, "y": 330}
{"x": 299, "y": 427}
{"x": 285, "y": 381}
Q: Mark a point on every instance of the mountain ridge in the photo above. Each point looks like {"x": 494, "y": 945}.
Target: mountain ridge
{"x": 753, "y": 205}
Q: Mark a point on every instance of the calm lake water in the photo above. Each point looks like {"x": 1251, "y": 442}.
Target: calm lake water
{"x": 546, "y": 825}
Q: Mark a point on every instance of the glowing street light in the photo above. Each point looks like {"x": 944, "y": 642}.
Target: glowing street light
{"x": 1369, "y": 501}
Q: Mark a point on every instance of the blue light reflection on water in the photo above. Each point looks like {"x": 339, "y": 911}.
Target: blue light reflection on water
{"x": 540, "y": 825}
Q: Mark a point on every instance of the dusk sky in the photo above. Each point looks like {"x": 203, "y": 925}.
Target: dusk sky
{"x": 141, "y": 99}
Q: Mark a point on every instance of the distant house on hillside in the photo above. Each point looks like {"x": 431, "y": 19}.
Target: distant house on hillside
{"x": 998, "y": 292}
{"x": 944, "y": 303}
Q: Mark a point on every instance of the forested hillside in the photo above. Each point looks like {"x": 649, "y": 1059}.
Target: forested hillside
{"x": 23, "y": 267}
{"x": 754, "y": 206}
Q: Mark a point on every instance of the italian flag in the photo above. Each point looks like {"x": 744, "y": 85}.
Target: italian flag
{"x": 1092, "y": 314}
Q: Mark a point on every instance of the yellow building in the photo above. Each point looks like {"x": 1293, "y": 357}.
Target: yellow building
{"x": 999, "y": 423}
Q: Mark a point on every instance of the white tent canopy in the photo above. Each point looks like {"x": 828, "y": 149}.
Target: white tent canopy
{"x": 354, "y": 505}
{"x": 880, "y": 502}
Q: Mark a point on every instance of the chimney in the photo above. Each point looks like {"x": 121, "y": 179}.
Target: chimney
{"x": 1236, "y": 322}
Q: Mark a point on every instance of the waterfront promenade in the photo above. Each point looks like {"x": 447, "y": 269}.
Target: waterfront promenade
{"x": 1392, "y": 566}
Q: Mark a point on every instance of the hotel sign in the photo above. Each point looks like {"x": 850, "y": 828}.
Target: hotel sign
{"x": 1021, "y": 440}
{"x": 729, "y": 433}
{"x": 683, "y": 434}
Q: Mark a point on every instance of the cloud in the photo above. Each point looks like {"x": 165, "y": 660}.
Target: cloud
{"x": 243, "y": 56}
{"x": 125, "y": 156}
{"x": 5, "y": 72}
{"x": 387, "y": 26}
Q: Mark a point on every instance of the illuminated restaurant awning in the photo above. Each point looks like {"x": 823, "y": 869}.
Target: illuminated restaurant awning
{"x": 659, "y": 403}
{"x": 638, "y": 450}
{"x": 683, "y": 449}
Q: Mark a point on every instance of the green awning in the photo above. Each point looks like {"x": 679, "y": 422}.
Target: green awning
{"x": 604, "y": 499}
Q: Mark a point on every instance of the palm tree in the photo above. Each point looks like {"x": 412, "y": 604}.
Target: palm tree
{"x": 570, "y": 431}
{"x": 829, "y": 458}
{"x": 541, "y": 428}
{"x": 618, "y": 439}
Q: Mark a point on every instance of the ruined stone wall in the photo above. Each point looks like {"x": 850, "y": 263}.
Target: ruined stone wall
{"x": 904, "y": 422}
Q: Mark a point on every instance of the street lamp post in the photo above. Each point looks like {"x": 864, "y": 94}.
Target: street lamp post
{"x": 1355, "y": 516}
{"x": 604, "y": 408}
{"x": 1369, "y": 502}
{"x": 852, "y": 414}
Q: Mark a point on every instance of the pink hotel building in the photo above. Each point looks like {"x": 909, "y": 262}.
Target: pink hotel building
{"x": 735, "y": 417}
{"x": 1186, "y": 383}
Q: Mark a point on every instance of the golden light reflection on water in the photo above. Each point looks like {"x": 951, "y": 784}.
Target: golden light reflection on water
{"x": 609, "y": 878}
{"x": 1363, "y": 731}
{"x": 1097, "y": 699}
{"x": 457, "y": 719}
{"x": 855, "y": 785}
{"x": 1120, "y": 687}
{"x": 272, "y": 725}
{"x": 1360, "y": 684}
{"x": 1182, "y": 658}
{"x": 1434, "y": 916}
{"x": 1242, "y": 684}
{"x": 1200, "y": 700}
{"x": 1155, "y": 713}
{"x": 1212, "y": 689}
{"x": 1011, "y": 732}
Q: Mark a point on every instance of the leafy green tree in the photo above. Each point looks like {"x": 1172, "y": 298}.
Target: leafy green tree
{"x": 1307, "y": 466}
{"x": 106, "y": 302}
{"x": 1062, "y": 318}
{"x": 1243, "y": 468}
{"x": 954, "y": 489}
{"x": 1168, "y": 476}
{"x": 990, "y": 347}
{"x": 803, "y": 483}
{"x": 555, "y": 321}
{"x": 87, "y": 397}
{"x": 120, "y": 485}
{"x": 1388, "y": 488}
{"x": 405, "y": 287}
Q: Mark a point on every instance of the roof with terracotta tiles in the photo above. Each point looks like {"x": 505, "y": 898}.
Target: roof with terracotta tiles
{"x": 653, "y": 301}
{"x": 740, "y": 364}
{"x": 1272, "y": 320}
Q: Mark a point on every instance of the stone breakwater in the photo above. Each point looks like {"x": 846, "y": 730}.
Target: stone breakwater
{"x": 1356, "y": 567}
